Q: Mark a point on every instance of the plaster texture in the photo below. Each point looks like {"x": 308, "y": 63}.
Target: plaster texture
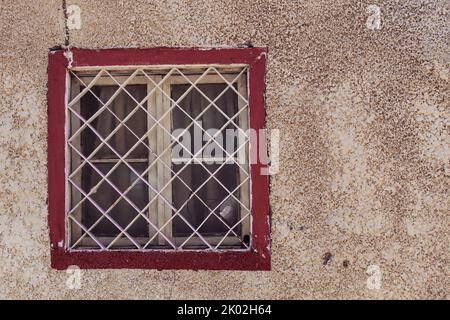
{"x": 365, "y": 144}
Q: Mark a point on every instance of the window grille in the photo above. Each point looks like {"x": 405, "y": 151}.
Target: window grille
{"x": 134, "y": 179}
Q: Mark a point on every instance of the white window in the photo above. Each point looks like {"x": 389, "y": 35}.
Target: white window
{"x": 157, "y": 158}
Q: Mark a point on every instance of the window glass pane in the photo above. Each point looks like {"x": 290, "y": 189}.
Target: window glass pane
{"x": 127, "y": 135}
{"x": 105, "y": 196}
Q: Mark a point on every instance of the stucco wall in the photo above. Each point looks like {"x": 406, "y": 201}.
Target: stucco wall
{"x": 365, "y": 143}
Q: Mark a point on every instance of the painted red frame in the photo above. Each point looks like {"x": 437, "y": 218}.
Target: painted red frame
{"x": 258, "y": 258}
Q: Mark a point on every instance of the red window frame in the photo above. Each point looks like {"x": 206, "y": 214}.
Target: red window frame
{"x": 258, "y": 258}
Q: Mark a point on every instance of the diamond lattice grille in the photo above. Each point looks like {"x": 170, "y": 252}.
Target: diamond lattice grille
{"x": 158, "y": 158}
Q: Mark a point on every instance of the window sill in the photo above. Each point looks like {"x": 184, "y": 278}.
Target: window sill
{"x": 161, "y": 259}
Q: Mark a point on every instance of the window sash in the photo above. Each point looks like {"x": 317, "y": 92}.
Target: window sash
{"x": 157, "y": 105}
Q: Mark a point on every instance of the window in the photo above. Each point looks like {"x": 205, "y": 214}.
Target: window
{"x": 150, "y": 159}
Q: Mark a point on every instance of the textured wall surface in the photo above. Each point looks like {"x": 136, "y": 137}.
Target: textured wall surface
{"x": 365, "y": 143}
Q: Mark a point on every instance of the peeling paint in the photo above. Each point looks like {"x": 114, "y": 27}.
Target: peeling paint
{"x": 374, "y": 20}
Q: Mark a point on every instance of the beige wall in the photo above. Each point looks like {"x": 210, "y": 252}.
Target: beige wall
{"x": 364, "y": 118}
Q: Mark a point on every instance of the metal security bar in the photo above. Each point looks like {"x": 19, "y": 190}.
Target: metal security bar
{"x": 126, "y": 189}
